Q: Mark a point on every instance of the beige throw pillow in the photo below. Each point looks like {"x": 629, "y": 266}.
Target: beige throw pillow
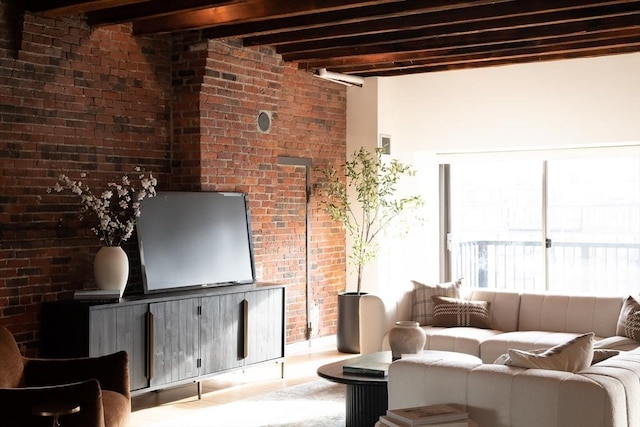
{"x": 450, "y": 312}
{"x": 599, "y": 355}
{"x": 572, "y": 356}
{"x": 629, "y": 319}
{"x": 422, "y": 302}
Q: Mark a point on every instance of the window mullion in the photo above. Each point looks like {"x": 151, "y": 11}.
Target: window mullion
{"x": 545, "y": 236}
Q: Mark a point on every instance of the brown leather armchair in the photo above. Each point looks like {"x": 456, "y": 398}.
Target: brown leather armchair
{"x": 99, "y": 385}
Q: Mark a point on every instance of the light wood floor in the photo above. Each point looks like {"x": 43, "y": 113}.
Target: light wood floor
{"x": 300, "y": 366}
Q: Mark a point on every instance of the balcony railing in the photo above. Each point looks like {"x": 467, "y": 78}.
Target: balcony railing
{"x": 593, "y": 268}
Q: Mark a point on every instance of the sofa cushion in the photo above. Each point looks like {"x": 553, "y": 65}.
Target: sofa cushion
{"x": 617, "y": 343}
{"x": 623, "y": 371}
{"x": 459, "y": 339}
{"x": 573, "y": 356}
{"x": 569, "y": 313}
{"x": 450, "y": 312}
{"x": 629, "y": 319}
{"x": 422, "y": 302}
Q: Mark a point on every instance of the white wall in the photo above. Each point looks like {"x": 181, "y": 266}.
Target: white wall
{"x": 558, "y": 103}
{"x": 548, "y": 105}
{"x": 362, "y": 131}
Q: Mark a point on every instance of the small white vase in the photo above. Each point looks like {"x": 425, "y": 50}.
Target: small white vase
{"x": 111, "y": 268}
{"x": 406, "y": 337}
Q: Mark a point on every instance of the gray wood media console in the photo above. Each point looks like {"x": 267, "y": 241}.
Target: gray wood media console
{"x": 173, "y": 338}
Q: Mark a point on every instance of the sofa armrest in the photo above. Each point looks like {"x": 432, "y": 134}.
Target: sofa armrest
{"x": 111, "y": 371}
{"x": 378, "y": 314}
{"x": 18, "y": 405}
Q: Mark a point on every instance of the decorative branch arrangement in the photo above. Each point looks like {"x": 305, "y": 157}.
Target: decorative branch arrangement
{"x": 375, "y": 182}
{"x": 116, "y": 208}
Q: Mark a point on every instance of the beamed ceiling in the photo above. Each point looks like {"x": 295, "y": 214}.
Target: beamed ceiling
{"x": 385, "y": 37}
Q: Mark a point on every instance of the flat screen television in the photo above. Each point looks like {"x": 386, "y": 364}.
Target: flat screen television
{"x": 194, "y": 240}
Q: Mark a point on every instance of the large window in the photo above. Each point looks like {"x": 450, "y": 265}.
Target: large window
{"x": 560, "y": 225}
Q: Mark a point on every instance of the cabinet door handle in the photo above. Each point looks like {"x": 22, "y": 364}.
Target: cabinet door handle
{"x": 245, "y": 322}
{"x": 150, "y": 344}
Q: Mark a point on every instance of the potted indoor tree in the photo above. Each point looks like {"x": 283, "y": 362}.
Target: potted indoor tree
{"x": 363, "y": 196}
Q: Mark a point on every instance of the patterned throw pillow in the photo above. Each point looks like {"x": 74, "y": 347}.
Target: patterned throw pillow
{"x": 629, "y": 319}
{"x": 572, "y": 356}
{"x": 422, "y": 302}
{"x": 451, "y": 312}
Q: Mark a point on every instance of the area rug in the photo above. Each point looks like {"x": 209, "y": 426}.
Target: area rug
{"x": 314, "y": 404}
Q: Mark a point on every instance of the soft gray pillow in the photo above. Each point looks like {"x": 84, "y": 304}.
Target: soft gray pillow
{"x": 572, "y": 356}
{"x": 599, "y": 355}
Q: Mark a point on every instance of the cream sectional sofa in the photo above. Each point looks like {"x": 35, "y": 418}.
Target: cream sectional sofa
{"x": 524, "y": 321}
{"x": 606, "y": 394}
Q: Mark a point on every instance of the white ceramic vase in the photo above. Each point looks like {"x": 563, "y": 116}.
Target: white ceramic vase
{"x": 111, "y": 268}
{"x": 406, "y": 337}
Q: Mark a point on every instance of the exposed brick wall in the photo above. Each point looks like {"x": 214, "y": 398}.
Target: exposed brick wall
{"x": 76, "y": 99}
{"x": 308, "y": 121}
{"x": 311, "y": 124}
{"x": 72, "y": 99}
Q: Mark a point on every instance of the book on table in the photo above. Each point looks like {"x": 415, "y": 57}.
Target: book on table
{"x": 373, "y": 365}
{"x": 390, "y": 422}
{"x": 427, "y": 415}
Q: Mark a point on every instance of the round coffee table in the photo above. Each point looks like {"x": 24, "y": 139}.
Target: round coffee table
{"x": 366, "y": 397}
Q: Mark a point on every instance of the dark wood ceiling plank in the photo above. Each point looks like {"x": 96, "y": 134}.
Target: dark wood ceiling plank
{"x": 478, "y": 28}
{"x": 420, "y": 19}
{"x": 605, "y": 51}
{"x": 248, "y": 11}
{"x": 346, "y": 16}
{"x": 475, "y": 55}
{"x": 55, "y": 8}
{"x": 131, "y": 12}
{"x": 630, "y": 21}
{"x": 384, "y": 37}
{"x": 360, "y": 63}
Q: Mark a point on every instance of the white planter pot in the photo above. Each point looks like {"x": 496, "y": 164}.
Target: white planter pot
{"x": 111, "y": 268}
{"x": 406, "y": 337}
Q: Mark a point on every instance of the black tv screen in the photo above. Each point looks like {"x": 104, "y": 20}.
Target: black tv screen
{"x": 195, "y": 239}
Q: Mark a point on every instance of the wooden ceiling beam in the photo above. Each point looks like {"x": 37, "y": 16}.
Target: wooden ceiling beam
{"x": 422, "y": 18}
{"x": 246, "y": 11}
{"x": 490, "y": 37}
{"x": 549, "y": 56}
{"x": 383, "y": 37}
{"x": 515, "y": 51}
{"x": 131, "y": 12}
{"x": 364, "y": 62}
{"x": 477, "y": 28}
{"x": 346, "y": 17}
{"x": 55, "y": 8}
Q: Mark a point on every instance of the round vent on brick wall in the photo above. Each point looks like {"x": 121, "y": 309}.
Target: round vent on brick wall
{"x": 264, "y": 121}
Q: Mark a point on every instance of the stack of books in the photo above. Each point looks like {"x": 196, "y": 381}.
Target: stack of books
{"x": 370, "y": 365}
{"x": 431, "y": 415}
